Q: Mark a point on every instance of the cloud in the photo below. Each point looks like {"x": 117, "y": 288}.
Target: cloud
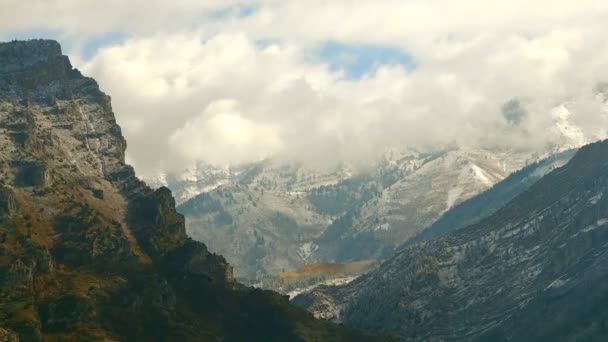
{"x": 514, "y": 112}
{"x": 222, "y": 133}
{"x": 92, "y": 17}
{"x": 234, "y": 81}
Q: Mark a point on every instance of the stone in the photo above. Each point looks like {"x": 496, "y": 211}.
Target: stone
{"x": 8, "y": 335}
{"x": 98, "y": 193}
{"x": 67, "y": 310}
{"x": 34, "y": 174}
{"x": 8, "y": 202}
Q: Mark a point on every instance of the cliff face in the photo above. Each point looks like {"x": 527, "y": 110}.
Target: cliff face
{"x": 534, "y": 271}
{"x": 88, "y": 251}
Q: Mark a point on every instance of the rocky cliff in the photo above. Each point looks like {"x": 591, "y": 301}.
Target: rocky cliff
{"x": 267, "y": 218}
{"x": 88, "y": 251}
{"x": 535, "y": 270}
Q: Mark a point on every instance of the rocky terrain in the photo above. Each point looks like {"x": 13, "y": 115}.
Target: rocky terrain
{"x": 90, "y": 253}
{"x": 534, "y": 270}
{"x": 488, "y": 202}
{"x": 411, "y": 204}
{"x": 269, "y": 218}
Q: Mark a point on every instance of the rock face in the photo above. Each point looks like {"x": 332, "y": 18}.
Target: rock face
{"x": 531, "y": 271}
{"x": 415, "y": 201}
{"x": 8, "y": 336}
{"x": 488, "y": 202}
{"x": 8, "y": 202}
{"x": 267, "y": 218}
{"x": 88, "y": 251}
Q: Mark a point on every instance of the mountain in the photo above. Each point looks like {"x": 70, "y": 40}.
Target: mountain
{"x": 268, "y": 217}
{"x": 534, "y": 270}
{"x": 201, "y": 179}
{"x": 88, "y": 252}
{"x": 416, "y": 200}
{"x": 267, "y": 174}
{"x": 488, "y": 202}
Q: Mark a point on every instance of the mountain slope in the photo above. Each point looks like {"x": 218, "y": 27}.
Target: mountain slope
{"x": 509, "y": 277}
{"x": 268, "y": 219}
{"x": 414, "y": 202}
{"x": 486, "y": 203}
{"x": 88, "y": 251}
{"x": 255, "y": 229}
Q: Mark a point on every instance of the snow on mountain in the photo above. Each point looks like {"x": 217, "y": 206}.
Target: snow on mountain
{"x": 269, "y": 218}
{"x": 568, "y": 134}
{"x": 200, "y": 179}
{"x": 543, "y": 254}
{"x": 272, "y": 216}
{"x": 415, "y": 201}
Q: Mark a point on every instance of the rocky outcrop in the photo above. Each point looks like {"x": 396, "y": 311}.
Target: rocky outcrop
{"x": 32, "y": 174}
{"x": 32, "y": 64}
{"x": 268, "y": 217}
{"x": 487, "y": 203}
{"x": 67, "y": 310}
{"x": 528, "y": 272}
{"x": 8, "y": 336}
{"x": 8, "y": 203}
{"x": 87, "y": 250}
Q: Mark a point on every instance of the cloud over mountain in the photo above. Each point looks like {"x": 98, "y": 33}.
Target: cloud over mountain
{"x": 230, "y": 82}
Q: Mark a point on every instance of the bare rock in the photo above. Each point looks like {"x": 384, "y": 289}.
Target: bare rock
{"x": 8, "y": 335}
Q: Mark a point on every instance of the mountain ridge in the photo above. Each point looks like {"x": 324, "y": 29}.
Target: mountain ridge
{"x": 493, "y": 279}
{"x": 87, "y": 250}
{"x": 264, "y": 226}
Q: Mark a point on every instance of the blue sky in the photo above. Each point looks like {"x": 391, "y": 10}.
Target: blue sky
{"x": 232, "y": 12}
{"x": 359, "y": 60}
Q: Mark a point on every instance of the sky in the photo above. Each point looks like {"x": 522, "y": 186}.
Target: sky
{"x": 226, "y": 82}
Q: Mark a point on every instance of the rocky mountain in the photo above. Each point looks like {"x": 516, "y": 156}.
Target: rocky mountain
{"x": 269, "y": 218}
{"x": 534, "y": 270}
{"x": 488, "y": 202}
{"x": 201, "y": 179}
{"x": 415, "y": 201}
{"x": 267, "y": 174}
{"x": 88, "y": 252}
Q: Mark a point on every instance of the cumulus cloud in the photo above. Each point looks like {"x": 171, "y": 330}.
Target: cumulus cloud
{"x": 229, "y": 82}
{"x": 222, "y": 130}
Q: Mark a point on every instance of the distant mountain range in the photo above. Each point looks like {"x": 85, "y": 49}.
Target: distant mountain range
{"x": 534, "y": 270}
{"x": 270, "y": 217}
{"x": 273, "y": 216}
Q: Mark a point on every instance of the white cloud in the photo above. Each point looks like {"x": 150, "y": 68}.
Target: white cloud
{"x": 221, "y": 131}
{"x": 171, "y": 78}
{"x": 91, "y": 17}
